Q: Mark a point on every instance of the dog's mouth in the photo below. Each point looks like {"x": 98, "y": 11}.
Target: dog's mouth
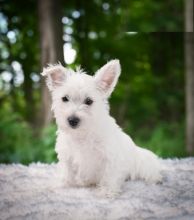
{"x": 74, "y": 127}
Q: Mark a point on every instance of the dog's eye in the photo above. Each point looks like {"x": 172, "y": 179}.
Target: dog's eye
{"x": 88, "y": 101}
{"x": 65, "y": 99}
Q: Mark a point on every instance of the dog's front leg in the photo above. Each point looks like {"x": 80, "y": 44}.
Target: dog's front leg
{"x": 66, "y": 175}
{"x": 111, "y": 182}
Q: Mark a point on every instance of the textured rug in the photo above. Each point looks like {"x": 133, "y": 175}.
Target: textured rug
{"x": 31, "y": 192}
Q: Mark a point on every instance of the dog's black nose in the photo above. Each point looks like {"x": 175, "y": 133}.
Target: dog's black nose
{"x": 73, "y": 121}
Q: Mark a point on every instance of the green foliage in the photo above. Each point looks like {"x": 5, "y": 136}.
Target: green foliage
{"x": 19, "y": 144}
{"x": 157, "y": 15}
{"x": 46, "y": 145}
{"x": 16, "y": 139}
{"x": 166, "y": 140}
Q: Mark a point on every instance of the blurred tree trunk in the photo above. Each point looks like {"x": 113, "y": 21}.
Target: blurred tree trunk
{"x": 28, "y": 95}
{"x": 189, "y": 59}
{"x": 51, "y": 45}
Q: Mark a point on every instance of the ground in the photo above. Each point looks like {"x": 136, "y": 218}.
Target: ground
{"x": 31, "y": 192}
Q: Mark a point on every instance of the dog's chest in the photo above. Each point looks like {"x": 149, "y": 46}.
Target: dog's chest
{"x": 88, "y": 160}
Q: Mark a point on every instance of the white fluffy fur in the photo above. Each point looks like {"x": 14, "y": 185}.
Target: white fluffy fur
{"x": 97, "y": 152}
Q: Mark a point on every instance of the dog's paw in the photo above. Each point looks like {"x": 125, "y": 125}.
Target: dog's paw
{"x": 157, "y": 179}
{"x": 160, "y": 179}
{"x": 64, "y": 183}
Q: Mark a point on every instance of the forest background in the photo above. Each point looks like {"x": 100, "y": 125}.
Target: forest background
{"x": 154, "y": 100}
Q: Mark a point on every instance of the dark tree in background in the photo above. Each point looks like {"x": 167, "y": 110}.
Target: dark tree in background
{"x": 51, "y": 42}
{"x": 189, "y": 73}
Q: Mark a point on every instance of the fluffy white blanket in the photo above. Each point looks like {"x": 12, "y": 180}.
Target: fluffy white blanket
{"x": 31, "y": 192}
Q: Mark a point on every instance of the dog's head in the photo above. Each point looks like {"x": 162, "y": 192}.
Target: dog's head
{"x": 80, "y": 100}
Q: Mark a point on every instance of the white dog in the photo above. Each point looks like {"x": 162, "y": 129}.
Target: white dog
{"x": 92, "y": 149}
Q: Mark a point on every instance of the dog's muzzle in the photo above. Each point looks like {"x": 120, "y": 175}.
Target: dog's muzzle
{"x": 73, "y": 121}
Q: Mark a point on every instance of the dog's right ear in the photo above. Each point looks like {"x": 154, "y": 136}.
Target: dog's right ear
{"x": 55, "y": 75}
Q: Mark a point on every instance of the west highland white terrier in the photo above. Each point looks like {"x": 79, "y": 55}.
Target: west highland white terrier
{"x": 91, "y": 148}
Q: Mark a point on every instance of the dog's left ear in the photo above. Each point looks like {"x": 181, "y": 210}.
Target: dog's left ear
{"x": 107, "y": 77}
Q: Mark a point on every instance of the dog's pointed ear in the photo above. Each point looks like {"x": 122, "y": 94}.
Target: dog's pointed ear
{"x": 107, "y": 76}
{"x": 55, "y": 75}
